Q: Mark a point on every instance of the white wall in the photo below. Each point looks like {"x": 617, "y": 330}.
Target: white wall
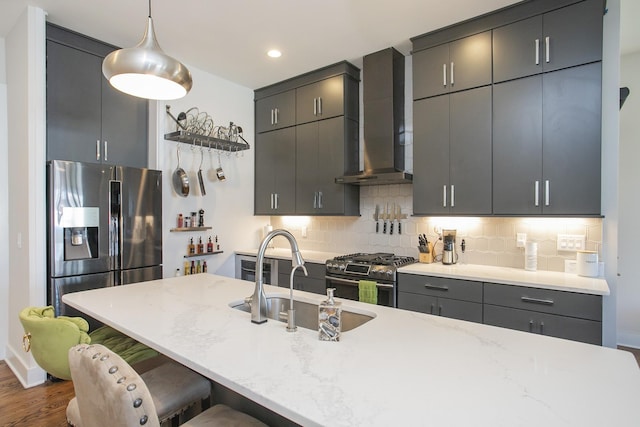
{"x": 25, "y": 59}
{"x": 629, "y": 240}
{"x": 228, "y": 204}
{"x": 4, "y": 224}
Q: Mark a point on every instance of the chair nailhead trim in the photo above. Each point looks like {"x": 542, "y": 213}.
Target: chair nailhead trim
{"x": 121, "y": 380}
{"x": 95, "y": 356}
{"x": 113, "y": 369}
{"x": 105, "y": 357}
{"x": 131, "y": 387}
{"x": 137, "y": 403}
{"x": 143, "y": 420}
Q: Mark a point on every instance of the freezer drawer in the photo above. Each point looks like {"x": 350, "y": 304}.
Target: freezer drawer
{"x": 140, "y": 275}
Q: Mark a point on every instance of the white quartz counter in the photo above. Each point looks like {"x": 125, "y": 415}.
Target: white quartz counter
{"x": 399, "y": 369}
{"x": 513, "y": 276}
{"x": 279, "y": 253}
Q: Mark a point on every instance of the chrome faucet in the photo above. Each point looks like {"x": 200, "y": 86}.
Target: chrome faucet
{"x": 259, "y": 300}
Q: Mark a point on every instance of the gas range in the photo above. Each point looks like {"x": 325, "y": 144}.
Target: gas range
{"x": 380, "y": 267}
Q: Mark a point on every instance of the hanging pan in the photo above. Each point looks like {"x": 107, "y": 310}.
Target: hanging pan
{"x": 180, "y": 180}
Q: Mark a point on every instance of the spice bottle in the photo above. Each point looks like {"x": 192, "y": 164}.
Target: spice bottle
{"x": 187, "y": 268}
{"x": 193, "y": 267}
{"x": 209, "y": 246}
{"x": 204, "y": 266}
{"x": 200, "y": 246}
{"x": 180, "y": 221}
{"x": 191, "y": 248}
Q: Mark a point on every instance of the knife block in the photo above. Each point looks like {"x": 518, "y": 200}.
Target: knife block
{"x": 426, "y": 258}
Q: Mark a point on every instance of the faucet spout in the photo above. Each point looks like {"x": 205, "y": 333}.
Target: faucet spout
{"x": 259, "y": 300}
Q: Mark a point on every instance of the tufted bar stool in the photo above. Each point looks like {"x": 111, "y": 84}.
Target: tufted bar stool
{"x": 109, "y": 392}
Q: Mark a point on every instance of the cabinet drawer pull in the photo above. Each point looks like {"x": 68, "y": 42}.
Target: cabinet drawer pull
{"x": 541, "y": 328}
{"x": 444, "y": 75}
{"x": 546, "y": 45}
{"x": 444, "y": 196}
{"x": 530, "y": 325}
{"x": 452, "y": 74}
{"x": 436, "y": 287}
{"x": 537, "y": 43}
{"x": 537, "y": 300}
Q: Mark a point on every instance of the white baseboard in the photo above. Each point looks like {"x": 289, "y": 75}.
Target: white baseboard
{"x": 29, "y": 376}
{"x": 629, "y": 339}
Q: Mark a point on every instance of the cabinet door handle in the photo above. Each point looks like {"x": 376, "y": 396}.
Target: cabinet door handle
{"x": 545, "y": 301}
{"x": 541, "y": 328}
{"x": 546, "y": 47}
{"x": 272, "y": 119}
{"x": 432, "y": 307}
{"x": 536, "y": 193}
{"x": 453, "y": 195}
{"x": 319, "y": 199}
{"x": 546, "y": 193}
{"x": 537, "y": 43}
{"x": 444, "y": 288}
{"x": 320, "y": 105}
{"x": 277, "y": 200}
{"x": 315, "y": 106}
{"x": 98, "y": 149}
{"x": 315, "y": 200}
{"x": 277, "y": 111}
{"x": 444, "y": 196}
{"x": 452, "y": 82}
{"x": 106, "y": 151}
{"x": 444, "y": 75}
{"x": 530, "y": 325}
{"x": 271, "y": 200}
{"x": 440, "y": 310}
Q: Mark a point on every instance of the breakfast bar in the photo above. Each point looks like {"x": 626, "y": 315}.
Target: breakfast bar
{"x": 400, "y": 368}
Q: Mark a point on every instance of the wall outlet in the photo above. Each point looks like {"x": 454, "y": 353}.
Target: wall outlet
{"x": 521, "y": 239}
{"x": 570, "y": 242}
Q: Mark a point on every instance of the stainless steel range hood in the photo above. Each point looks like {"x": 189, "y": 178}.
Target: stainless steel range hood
{"x": 383, "y": 101}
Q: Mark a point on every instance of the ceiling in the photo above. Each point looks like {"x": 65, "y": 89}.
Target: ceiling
{"x": 230, "y": 38}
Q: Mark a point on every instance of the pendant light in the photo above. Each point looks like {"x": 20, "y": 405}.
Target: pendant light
{"x": 146, "y": 71}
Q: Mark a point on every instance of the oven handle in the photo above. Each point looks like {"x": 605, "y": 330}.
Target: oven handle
{"x": 354, "y": 282}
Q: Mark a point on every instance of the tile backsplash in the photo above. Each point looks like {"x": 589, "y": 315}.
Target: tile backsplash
{"x": 489, "y": 240}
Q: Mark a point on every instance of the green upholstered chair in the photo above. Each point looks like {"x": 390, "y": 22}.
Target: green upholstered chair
{"x": 49, "y": 339}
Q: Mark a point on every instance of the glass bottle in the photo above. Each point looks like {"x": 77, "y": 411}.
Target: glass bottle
{"x": 200, "y": 246}
{"x": 209, "y": 246}
{"x": 191, "y": 248}
{"x": 329, "y": 318}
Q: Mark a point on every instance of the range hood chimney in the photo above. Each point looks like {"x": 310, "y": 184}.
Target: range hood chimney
{"x": 383, "y": 101}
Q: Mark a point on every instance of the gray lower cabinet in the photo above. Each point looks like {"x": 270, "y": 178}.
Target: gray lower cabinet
{"x": 453, "y": 298}
{"x": 87, "y": 119}
{"x": 452, "y": 145}
{"x": 275, "y": 166}
{"x": 321, "y": 155}
{"x": 454, "y": 66}
{"x": 314, "y": 282}
{"x": 546, "y": 143}
{"x": 559, "y": 314}
{"x": 276, "y": 111}
{"x": 558, "y": 39}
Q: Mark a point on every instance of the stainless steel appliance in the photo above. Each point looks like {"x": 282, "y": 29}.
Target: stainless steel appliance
{"x": 345, "y": 272}
{"x": 104, "y": 228}
{"x": 449, "y": 255}
{"x": 246, "y": 269}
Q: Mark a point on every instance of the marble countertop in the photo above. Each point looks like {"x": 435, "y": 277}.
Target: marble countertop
{"x": 401, "y": 368}
{"x": 317, "y": 257}
{"x": 504, "y": 275}
{"x": 513, "y": 276}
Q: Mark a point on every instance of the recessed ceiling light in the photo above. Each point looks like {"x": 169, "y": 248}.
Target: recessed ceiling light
{"x": 274, "y": 53}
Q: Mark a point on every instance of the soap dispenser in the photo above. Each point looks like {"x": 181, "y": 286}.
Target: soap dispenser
{"x": 329, "y": 318}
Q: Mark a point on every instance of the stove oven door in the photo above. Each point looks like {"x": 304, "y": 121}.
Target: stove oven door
{"x": 348, "y": 289}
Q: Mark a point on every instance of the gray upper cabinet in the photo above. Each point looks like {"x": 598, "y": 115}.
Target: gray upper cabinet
{"x": 452, "y": 135}
{"x": 546, "y": 143}
{"x": 458, "y": 65}
{"x": 312, "y": 153}
{"x": 559, "y": 39}
{"x": 320, "y": 100}
{"x": 88, "y": 120}
{"x": 320, "y": 157}
{"x": 275, "y": 172}
{"x": 276, "y": 111}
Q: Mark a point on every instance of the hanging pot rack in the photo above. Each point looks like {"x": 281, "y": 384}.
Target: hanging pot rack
{"x": 186, "y": 137}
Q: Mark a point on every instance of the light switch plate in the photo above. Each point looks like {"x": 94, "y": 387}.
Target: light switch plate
{"x": 571, "y": 242}
{"x": 521, "y": 239}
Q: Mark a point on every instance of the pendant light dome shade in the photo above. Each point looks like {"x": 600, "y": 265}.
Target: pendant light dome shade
{"x": 146, "y": 71}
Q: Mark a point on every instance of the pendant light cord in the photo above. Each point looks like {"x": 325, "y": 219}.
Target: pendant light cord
{"x": 149, "y": 8}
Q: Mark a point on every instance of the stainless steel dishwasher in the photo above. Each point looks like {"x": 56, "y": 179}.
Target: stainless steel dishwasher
{"x": 246, "y": 269}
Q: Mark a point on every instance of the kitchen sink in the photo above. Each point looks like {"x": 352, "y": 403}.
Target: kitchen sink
{"x": 306, "y": 313}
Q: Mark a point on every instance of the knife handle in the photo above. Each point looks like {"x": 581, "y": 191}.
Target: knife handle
{"x": 391, "y": 228}
{"x": 384, "y": 227}
{"x": 399, "y": 227}
{"x": 377, "y": 226}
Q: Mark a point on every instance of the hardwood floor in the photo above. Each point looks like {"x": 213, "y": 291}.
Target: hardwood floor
{"x": 45, "y": 405}
{"x": 42, "y": 406}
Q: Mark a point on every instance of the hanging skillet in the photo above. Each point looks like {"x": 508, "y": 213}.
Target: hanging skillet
{"x": 180, "y": 179}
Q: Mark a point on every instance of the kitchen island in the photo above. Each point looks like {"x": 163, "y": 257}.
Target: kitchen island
{"x": 400, "y": 368}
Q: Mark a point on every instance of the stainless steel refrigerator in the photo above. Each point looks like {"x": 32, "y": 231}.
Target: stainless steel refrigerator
{"x": 104, "y": 228}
